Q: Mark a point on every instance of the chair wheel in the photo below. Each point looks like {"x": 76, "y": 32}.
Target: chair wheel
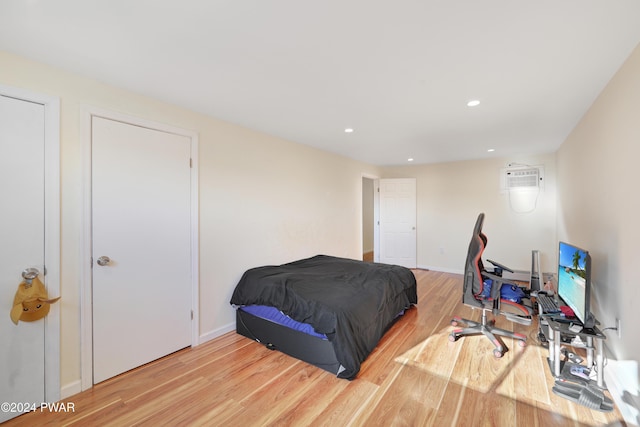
{"x": 497, "y": 354}
{"x": 454, "y": 323}
{"x": 522, "y": 343}
{"x": 453, "y": 337}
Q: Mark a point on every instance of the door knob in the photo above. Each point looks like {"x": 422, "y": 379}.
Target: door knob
{"x": 28, "y": 274}
{"x": 103, "y": 260}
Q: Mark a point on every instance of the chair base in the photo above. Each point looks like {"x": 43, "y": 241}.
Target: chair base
{"x": 486, "y": 328}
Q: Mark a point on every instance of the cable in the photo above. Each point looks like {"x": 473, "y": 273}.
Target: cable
{"x": 247, "y": 328}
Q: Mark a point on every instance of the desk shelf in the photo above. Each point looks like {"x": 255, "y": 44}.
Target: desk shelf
{"x": 591, "y": 341}
{"x": 586, "y": 392}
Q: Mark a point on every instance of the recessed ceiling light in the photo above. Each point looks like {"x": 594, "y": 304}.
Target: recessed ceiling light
{"x": 348, "y": 130}
{"x": 473, "y": 103}
{"x": 491, "y": 150}
{"x": 410, "y": 159}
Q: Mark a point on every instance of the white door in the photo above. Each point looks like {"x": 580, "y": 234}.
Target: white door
{"x": 22, "y": 245}
{"x": 398, "y": 222}
{"x": 141, "y": 223}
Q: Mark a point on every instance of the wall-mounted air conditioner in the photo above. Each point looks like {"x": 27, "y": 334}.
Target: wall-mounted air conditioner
{"x": 521, "y": 178}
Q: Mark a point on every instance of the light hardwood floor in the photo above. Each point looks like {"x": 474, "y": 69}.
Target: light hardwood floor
{"x": 234, "y": 381}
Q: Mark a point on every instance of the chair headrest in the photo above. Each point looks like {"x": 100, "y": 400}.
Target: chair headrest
{"x": 477, "y": 229}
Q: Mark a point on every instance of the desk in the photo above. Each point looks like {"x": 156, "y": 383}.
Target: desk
{"x": 592, "y": 342}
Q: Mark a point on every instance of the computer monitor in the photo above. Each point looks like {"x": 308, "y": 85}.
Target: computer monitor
{"x": 574, "y": 281}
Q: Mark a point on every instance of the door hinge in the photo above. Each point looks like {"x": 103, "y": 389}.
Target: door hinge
{"x": 191, "y": 314}
{"x": 190, "y": 163}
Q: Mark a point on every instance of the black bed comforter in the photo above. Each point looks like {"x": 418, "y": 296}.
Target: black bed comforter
{"x": 351, "y": 302}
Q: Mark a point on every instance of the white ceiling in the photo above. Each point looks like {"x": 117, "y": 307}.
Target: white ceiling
{"x": 398, "y": 72}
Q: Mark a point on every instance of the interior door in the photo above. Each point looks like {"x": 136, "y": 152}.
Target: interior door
{"x": 141, "y": 245}
{"x": 398, "y": 222}
{"x": 22, "y": 353}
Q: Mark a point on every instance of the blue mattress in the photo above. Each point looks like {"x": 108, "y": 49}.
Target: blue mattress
{"x": 274, "y": 315}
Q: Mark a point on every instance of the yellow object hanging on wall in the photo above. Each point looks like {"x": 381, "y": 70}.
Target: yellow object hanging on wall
{"x": 31, "y": 302}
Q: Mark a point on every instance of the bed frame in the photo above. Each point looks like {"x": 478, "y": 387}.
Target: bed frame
{"x": 313, "y": 350}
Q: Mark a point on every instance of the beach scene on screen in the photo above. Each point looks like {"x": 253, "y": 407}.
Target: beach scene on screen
{"x": 571, "y": 277}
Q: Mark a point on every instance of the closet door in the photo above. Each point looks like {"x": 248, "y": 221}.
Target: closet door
{"x": 141, "y": 230}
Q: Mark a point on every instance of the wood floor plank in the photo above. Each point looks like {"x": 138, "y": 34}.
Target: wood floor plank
{"x": 281, "y": 395}
{"x": 414, "y": 377}
{"x": 308, "y": 407}
{"x": 348, "y": 405}
{"x": 410, "y": 397}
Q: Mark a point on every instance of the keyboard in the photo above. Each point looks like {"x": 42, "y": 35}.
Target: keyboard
{"x": 548, "y": 304}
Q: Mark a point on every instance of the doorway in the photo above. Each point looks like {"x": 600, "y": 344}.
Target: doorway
{"x": 368, "y": 219}
{"x": 389, "y": 219}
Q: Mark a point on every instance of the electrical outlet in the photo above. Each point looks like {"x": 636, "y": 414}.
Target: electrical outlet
{"x": 618, "y": 328}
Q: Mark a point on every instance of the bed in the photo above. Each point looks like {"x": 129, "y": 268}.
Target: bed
{"x": 345, "y": 306}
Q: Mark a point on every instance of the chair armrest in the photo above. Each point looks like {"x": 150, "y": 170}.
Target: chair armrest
{"x": 504, "y": 267}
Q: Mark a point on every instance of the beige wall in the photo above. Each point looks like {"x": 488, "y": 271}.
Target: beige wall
{"x": 599, "y": 202}
{"x": 450, "y": 196}
{"x": 262, "y": 199}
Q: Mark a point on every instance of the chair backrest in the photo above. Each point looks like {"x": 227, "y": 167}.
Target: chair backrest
{"x": 472, "y": 293}
{"x": 473, "y": 283}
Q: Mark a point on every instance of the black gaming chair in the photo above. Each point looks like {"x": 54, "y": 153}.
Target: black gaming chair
{"x": 473, "y": 296}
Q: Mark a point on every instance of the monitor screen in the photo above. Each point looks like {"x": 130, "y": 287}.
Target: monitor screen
{"x": 574, "y": 281}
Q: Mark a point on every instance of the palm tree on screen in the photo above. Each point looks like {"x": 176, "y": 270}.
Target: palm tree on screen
{"x": 576, "y": 260}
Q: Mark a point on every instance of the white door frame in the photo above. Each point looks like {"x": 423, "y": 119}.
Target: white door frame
{"x": 86, "y": 338}
{"x": 51, "y": 232}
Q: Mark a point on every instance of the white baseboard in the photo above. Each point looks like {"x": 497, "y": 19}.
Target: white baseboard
{"x": 208, "y": 336}
{"x": 621, "y": 378}
{"x": 70, "y": 389}
{"x": 441, "y": 269}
